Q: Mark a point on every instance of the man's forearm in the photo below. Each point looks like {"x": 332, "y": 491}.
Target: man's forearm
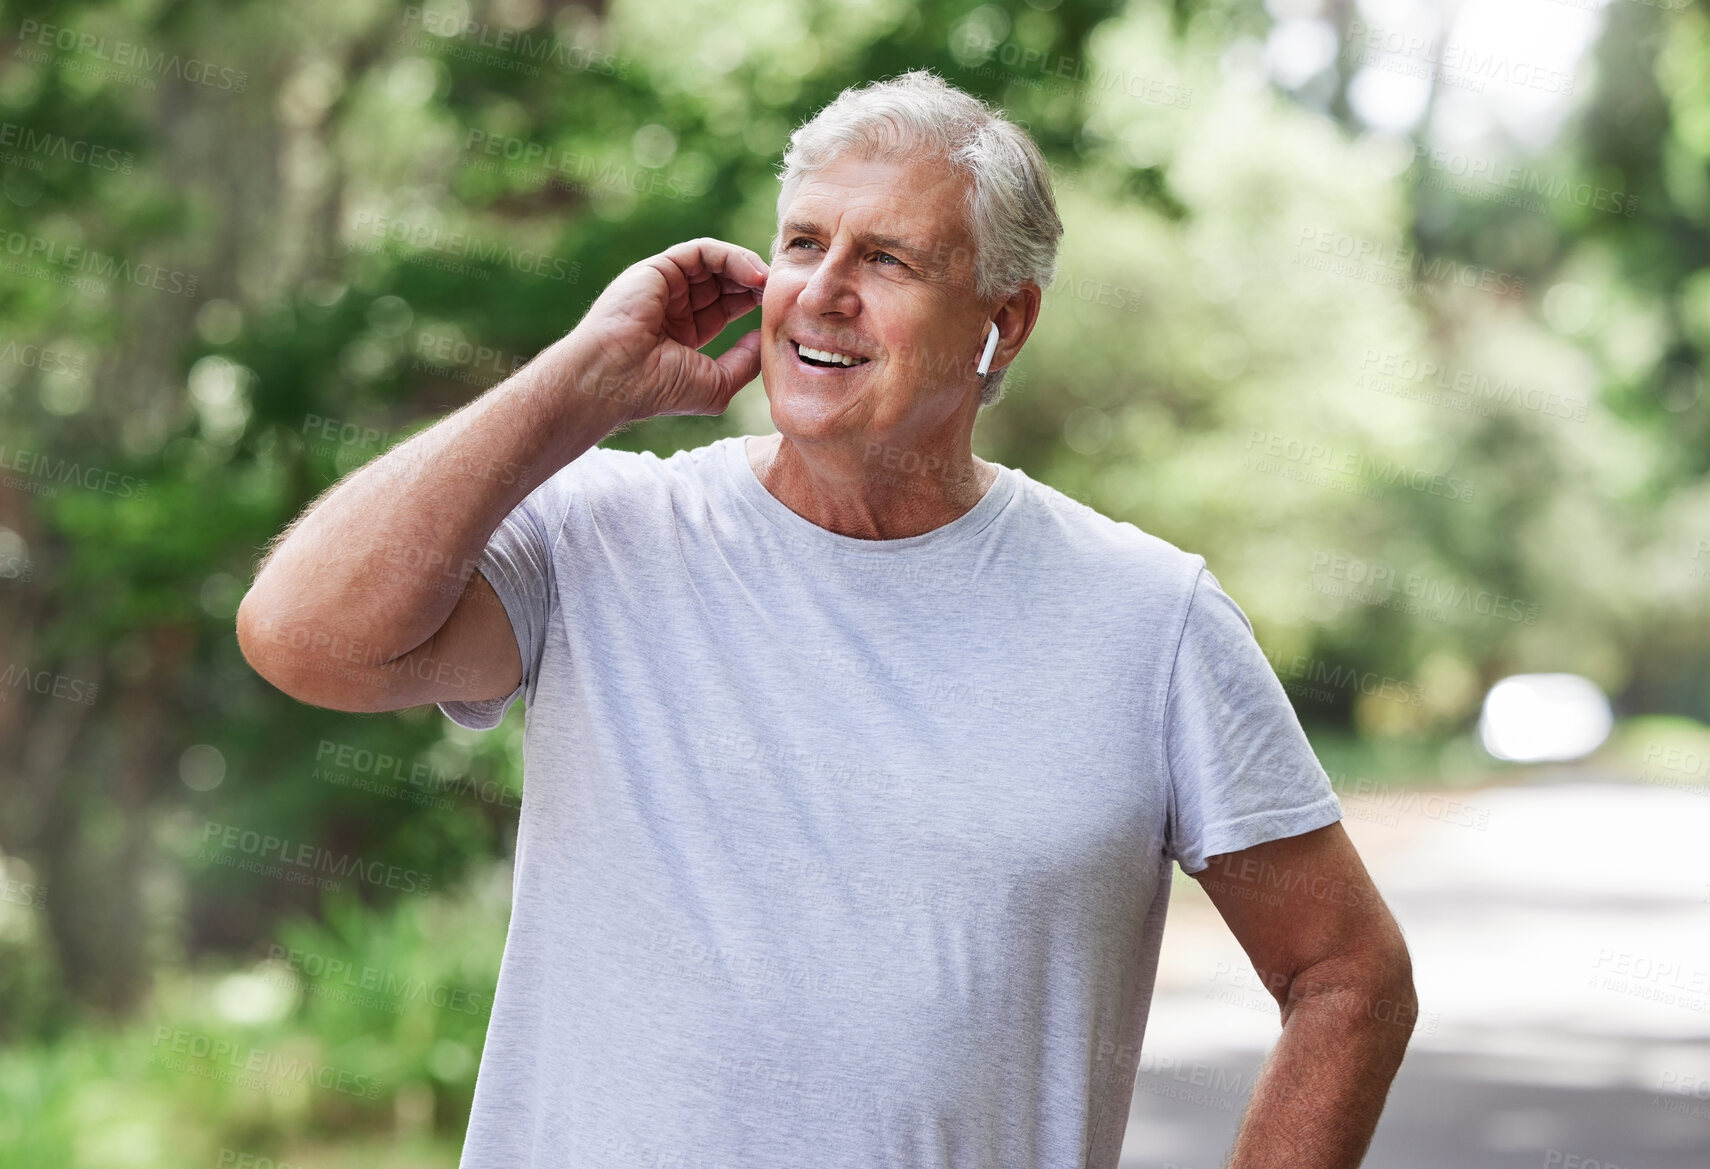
{"x": 382, "y": 558}
{"x": 1317, "y": 1101}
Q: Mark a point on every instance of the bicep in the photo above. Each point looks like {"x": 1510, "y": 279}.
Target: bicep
{"x": 474, "y": 656}
{"x": 1300, "y": 902}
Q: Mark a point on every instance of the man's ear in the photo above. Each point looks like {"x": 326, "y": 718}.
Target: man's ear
{"x": 1015, "y": 319}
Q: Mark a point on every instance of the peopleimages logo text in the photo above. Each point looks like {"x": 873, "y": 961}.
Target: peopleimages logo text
{"x": 128, "y": 55}
{"x": 460, "y": 244}
{"x": 260, "y": 1063}
{"x": 101, "y": 265}
{"x": 48, "y": 468}
{"x": 46, "y": 144}
{"x": 312, "y": 857}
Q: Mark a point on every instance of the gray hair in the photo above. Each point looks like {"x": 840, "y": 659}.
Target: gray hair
{"x": 1011, "y": 212}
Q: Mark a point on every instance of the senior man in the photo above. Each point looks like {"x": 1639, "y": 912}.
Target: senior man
{"x": 855, "y": 765}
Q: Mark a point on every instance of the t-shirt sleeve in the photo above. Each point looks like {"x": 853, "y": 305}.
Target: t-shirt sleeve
{"x": 1240, "y": 767}
{"x": 518, "y": 563}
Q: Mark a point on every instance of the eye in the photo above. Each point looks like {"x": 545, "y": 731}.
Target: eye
{"x": 887, "y": 256}
{"x": 800, "y": 240}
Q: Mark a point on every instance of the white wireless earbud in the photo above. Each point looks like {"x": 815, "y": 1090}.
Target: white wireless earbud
{"x": 986, "y": 357}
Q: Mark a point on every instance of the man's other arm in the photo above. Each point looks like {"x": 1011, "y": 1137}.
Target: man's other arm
{"x": 1310, "y": 919}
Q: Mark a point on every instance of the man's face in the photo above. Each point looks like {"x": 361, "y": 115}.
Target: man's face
{"x": 873, "y": 262}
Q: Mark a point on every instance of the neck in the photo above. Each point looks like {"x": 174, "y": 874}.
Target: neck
{"x": 870, "y": 497}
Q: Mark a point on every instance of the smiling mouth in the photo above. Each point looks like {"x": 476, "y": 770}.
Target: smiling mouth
{"x": 824, "y": 359}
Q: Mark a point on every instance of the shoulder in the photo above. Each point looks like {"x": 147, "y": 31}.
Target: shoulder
{"x": 607, "y": 477}
{"x": 1090, "y": 546}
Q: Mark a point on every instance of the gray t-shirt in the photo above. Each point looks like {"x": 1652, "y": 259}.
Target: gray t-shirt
{"x": 852, "y": 852}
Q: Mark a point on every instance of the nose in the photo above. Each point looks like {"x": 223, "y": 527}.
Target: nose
{"x": 831, "y": 288}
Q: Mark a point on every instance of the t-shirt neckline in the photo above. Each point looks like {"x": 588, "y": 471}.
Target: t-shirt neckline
{"x": 776, "y": 512}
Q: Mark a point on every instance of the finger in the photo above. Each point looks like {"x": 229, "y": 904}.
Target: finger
{"x": 699, "y": 258}
{"x": 688, "y": 286}
{"x": 715, "y": 261}
{"x": 711, "y": 321}
{"x": 737, "y": 366}
{"x": 735, "y": 298}
{"x": 707, "y": 284}
{"x": 744, "y": 300}
{"x": 705, "y": 292}
{"x": 730, "y": 302}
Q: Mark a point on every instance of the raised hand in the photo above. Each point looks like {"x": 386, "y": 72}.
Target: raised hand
{"x": 651, "y": 321}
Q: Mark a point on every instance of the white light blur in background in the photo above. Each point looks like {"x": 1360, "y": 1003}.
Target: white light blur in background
{"x": 1536, "y": 718}
{"x": 1540, "y": 34}
{"x": 1297, "y": 50}
{"x": 1392, "y": 91}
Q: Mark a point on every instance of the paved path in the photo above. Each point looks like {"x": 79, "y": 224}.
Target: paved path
{"x": 1562, "y": 957}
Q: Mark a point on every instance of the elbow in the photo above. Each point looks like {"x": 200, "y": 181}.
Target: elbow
{"x": 1397, "y": 1004}
{"x": 265, "y": 645}
{"x": 300, "y": 664}
{"x": 1387, "y": 992}
{"x": 253, "y": 628}
{"x": 265, "y": 641}
{"x": 1370, "y": 989}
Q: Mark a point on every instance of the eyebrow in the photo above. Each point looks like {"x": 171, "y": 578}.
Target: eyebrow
{"x": 890, "y": 243}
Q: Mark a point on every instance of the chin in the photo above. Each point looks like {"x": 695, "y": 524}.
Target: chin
{"x": 798, "y": 419}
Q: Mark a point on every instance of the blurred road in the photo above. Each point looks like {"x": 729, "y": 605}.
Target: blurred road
{"x": 1560, "y": 932}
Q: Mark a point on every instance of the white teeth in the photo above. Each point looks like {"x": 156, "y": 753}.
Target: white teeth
{"x": 824, "y": 355}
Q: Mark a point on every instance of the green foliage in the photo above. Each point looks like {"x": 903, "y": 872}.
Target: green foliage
{"x": 365, "y": 1027}
{"x": 366, "y": 214}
